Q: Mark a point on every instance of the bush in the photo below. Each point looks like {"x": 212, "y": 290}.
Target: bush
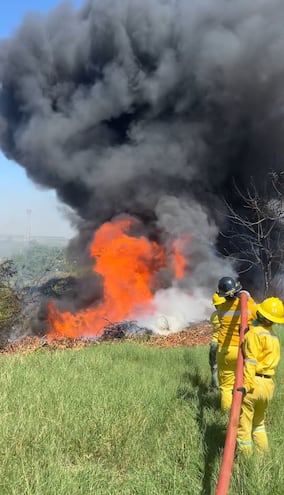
{"x": 9, "y": 299}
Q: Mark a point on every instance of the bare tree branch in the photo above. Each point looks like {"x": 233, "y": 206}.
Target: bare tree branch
{"x": 257, "y": 234}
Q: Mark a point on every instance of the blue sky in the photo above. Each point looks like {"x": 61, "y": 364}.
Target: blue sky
{"x": 17, "y": 192}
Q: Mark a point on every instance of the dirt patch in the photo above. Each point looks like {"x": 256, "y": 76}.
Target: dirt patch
{"x": 199, "y": 334}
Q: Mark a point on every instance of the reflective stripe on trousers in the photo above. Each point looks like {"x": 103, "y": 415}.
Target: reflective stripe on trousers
{"x": 227, "y": 363}
{"x": 252, "y": 426}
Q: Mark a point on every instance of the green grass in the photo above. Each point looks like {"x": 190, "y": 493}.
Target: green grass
{"x": 122, "y": 420}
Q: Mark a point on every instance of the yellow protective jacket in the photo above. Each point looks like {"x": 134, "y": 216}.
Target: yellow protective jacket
{"x": 229, "y": 314}
{"x": 214, "y": 320}
{"x": 261, "y": 350}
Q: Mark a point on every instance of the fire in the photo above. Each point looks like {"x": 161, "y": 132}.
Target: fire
{"x": 129, "y": 266}
{"x": 179, "y": 261}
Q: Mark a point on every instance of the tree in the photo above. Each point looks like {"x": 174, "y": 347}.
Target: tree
{"x": 10, "y": 302}
{"x": 255, "y": 234}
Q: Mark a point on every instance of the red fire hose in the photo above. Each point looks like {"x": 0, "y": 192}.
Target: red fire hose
{"x": 231, "y": 437}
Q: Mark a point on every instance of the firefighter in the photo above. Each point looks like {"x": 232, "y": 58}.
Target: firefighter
{"x": 214, "y": 320}
{"x": 229, "y": 315}
{"x": 261, "y": 351}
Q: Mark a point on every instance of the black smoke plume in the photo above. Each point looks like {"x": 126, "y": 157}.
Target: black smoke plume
{"x": 149, "y": 108}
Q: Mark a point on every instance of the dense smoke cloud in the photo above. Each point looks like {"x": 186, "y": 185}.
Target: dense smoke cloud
{"x": 147, "y": 108}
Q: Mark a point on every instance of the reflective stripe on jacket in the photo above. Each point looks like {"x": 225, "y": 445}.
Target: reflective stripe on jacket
{"x": 229, "y": 314}
{"x": 261, "y": 350}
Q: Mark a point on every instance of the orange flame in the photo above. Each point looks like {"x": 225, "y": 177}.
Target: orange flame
{"x": 179, "y": 261}
{"x": 128, "y": 266}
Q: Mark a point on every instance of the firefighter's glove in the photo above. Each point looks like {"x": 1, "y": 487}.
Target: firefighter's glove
{"x": 243, "y": 390}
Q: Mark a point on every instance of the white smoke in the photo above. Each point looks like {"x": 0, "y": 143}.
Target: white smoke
{"x": 174, "y": 310}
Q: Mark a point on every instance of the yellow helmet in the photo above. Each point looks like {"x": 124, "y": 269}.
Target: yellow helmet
{"x": 272, "y": 309}
{"x": 217, "y": 300}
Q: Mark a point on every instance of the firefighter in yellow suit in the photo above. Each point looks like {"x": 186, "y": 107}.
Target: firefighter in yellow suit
{"x": 213, "y": 348}
{"x": 261, "y": 351}
{"x": 229, "y": 315}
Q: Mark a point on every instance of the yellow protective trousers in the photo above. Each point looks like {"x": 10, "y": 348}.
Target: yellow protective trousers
{"x": 251, "y": 426}
{"x": 227, "y": 363}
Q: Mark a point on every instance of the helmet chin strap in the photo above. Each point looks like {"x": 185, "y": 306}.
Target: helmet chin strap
{"x": 232, "y": 294}
{"x": 263, "y": 320}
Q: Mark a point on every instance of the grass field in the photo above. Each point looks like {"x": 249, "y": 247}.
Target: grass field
{"x": 122, "y": 419}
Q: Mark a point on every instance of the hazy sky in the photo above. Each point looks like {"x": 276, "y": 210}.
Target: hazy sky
{"x": 17, "y": 193}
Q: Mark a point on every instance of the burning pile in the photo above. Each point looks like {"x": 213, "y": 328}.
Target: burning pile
{"x": 130, "y": 267}
{"x": 196, "y": 335}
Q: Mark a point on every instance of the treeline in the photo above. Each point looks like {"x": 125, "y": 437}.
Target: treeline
{"x": 36, "y": 268}
{"x": 38, "y": 262}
